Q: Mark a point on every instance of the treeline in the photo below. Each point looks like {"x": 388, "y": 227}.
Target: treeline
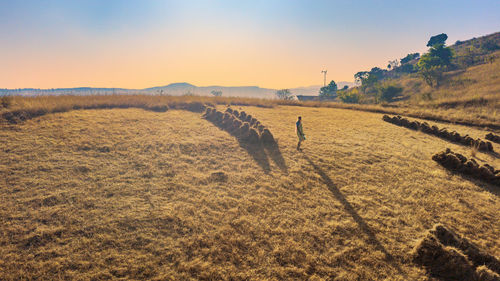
{"x": 375, "y": 85}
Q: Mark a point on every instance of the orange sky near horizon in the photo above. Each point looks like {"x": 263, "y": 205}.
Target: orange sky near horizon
{"x": 272, "y": 44}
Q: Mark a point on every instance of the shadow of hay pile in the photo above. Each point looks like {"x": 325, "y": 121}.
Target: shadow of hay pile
{"x": 251, "y": 134}
{"x": 442, "y": 133}
{"x": 492, "y": 137}
{"x": 448, "y": 256}
{"x": 459, "y": 163}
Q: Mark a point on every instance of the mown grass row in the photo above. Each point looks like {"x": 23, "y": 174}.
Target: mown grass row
{"x": 459, "y": 163}
{"x": 442, "y": 133}
{"x": 446, "y": 255}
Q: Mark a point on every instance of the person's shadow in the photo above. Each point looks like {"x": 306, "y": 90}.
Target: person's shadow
{"x": 370, "y": 236}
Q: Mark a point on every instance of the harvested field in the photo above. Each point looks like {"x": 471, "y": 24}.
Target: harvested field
{"x": 137, "y": 194}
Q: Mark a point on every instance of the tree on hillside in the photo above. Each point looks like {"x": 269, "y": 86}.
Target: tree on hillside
{"x": 368, "y": 79}
{"x": 329, "y": 90}
{"x": 489, "y": 45}
{"x": 360, "y": 76}
{"x": 409, "y": 58}
{"x": 216, "y": 93}
{"x": 437, "y": 40}
{"x": 388, "y": 92}
{"x": 349, "y": 96}
{"x": 436, "y": 61}
{"x": 393, "y": 64}
{"x": 284, "y": 94}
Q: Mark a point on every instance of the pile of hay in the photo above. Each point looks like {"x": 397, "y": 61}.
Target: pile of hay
{"x": 442, "y": 133}
{"x": 241, "y": 125}
{"x": 492, "y": 137}
{"x": 459, "y": 163}
{"x": 446, "y": 255}
{"x": 475, "y": 255}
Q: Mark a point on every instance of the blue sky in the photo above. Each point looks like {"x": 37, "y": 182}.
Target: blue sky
{"x": 279, "y": 44}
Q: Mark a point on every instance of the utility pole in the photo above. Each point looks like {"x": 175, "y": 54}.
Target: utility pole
{"x": 324, "y": 77}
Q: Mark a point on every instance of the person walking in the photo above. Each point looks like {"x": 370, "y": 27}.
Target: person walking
{"x": 300, "y": 133}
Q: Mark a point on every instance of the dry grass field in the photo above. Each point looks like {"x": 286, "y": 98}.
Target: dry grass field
{"x": 135, "y": 194}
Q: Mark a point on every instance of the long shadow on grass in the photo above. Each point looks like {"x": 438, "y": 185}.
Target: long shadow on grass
{"x": 274, "y": 153}
{"x": 370, "y": 236}
{"x": 256, "y": 150}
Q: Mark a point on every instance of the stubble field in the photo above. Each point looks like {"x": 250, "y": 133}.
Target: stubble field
{"x": 135, "y": 194}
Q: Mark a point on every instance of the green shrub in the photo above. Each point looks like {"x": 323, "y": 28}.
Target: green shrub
{"x": 351, "y": 96}
{"x": 386, "y": 93}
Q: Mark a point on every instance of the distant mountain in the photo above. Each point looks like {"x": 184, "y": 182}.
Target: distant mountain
{"x": 174, "y": 89}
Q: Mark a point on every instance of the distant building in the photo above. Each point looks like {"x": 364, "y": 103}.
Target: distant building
{"x": 307, "y": 98}
{"x": 314, "y": 98}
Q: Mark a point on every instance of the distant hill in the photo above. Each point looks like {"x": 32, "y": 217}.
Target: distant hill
{"x": 174, "y": 89}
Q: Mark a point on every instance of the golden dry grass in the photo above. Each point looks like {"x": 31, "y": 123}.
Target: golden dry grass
{"x": 135, "y": 194}
{"x": 468, "y": 96}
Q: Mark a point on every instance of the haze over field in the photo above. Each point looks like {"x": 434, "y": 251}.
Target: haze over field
{"x": 270, "y": 44}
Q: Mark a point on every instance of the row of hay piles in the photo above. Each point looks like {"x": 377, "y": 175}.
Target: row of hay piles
{"x": 459, "y": 163}
{"x": 246, "y": 129}
{"x": 265, "y": 135}
{"x": 475, "y": 255}
{"x": 442, "y": 133}
{"x": 492, "y": 137}
{"x": 448, "y": 256}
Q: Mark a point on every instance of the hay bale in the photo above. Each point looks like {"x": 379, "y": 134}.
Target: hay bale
{"x": 218, "y": 177}
{"x": 252, "y": 136}
{"x": 485, "y": 173}
{"x": 218, "y": 116}
{"x": 195, "y": 106}
{"x": 482, "y": 145}
{"x": 267, "y": 137}
{"x": 243, "y": 116}
{"x": 236, "y": 113}
{"x": 414, "y": 125}
{"x": 208, "y": 112}
{"x": 229, "y": 110}
{"x": 443, "y": 133}
{"x": 386, "y": 118}
{"x": 405, "y": 122}
{"x": 490, "y": 146}
{"x": 243, "y": 130}
{"x": 478, "y": 257}
{"x": 462, "y": 158}
{"x": 485, "y": 274}
{"x": 260, "y": 128}
{"x": 435, "y": 130}
{"x": 236, "y": 124}
{"x": 492, "y": 137}
{"x": 249, "y": 118}
{"x": 425, "y": 128}
{"x": 456, "y": 137}
{"x": 440, "y": 261}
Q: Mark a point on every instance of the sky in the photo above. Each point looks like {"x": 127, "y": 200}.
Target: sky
{"x": 267, "y": 43}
